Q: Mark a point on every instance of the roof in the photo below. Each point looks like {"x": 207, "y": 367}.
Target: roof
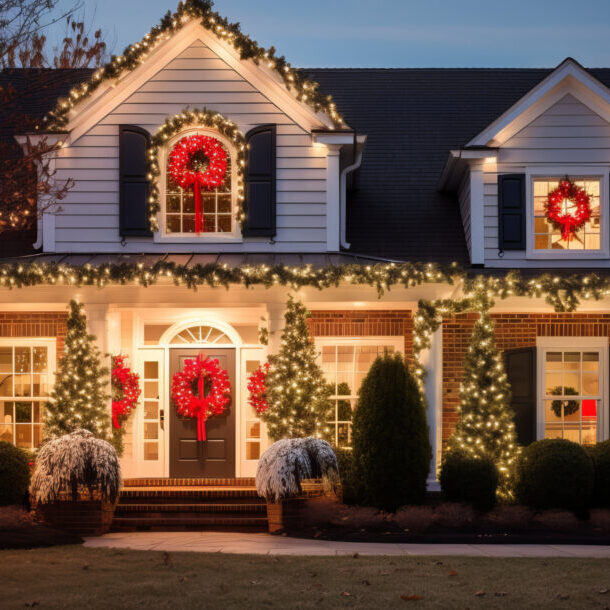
{"x": 412, "y": 118}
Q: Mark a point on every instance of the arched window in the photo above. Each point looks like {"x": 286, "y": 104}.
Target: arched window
{"x": 217, "y": 209}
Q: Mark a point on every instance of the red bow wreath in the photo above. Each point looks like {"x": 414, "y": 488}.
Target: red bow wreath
{"x": 257, "y": 388}
{"x": 196, "y": 373}
{"x": 126, "y": 388}
{"x": 198, "y": 161}
{"x": 559, "y": 200}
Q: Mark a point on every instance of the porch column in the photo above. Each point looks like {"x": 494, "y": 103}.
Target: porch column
{"x": 275, "y": 325}
{"x": 432, "y": 361}
{"x": 97, "y": 323}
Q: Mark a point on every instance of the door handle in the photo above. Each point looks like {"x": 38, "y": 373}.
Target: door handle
{"x": 162, "y": 419}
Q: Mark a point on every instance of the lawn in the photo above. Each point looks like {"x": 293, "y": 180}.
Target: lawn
{"x": 111, "y": 578}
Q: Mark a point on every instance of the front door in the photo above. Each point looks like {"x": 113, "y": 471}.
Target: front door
{"x": 214, "y": 457}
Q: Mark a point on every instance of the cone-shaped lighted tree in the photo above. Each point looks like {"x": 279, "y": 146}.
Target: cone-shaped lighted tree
{"x": 485, "y": 426}
{"x": 79, "y": 398}
{"x": 297, "y": 393}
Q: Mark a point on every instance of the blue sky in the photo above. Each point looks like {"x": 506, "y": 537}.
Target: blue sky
{"x": 396, "y": 33}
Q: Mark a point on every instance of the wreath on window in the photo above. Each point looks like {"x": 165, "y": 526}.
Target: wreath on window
{"x": 568, "y": 207}
{"x": 569, "y": 406}
{"x": 201, "y": 389}
{"x": 201, "y": 162}
{"x": 125, "y": 390}
{"x": 257, "y": 388}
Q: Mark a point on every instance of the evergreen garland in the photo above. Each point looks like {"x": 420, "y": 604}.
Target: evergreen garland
{"x": 78, "y": 399}
{"x": 297, "y": 392}
{"x": 295, "y": 80}
{"x": 485, "y": 427}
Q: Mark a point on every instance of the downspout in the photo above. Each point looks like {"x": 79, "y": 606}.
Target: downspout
{"x": 357, "y": 159}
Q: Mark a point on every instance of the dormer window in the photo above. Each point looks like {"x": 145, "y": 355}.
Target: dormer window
{"x": 199, "y": 160}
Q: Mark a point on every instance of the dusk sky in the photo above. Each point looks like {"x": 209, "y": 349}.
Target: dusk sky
{"x": 396, "y": 33}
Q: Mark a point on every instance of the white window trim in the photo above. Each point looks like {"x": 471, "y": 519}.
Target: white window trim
{"x": 162, "y": 236}
{"x": 596, "y": 172}
{"x": 549, "y": 344}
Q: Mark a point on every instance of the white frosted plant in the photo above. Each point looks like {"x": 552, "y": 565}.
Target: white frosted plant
{"x": 73, "y": 461}
{"x": 288, "y": 462}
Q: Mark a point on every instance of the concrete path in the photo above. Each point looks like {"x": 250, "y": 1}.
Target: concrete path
{"x": 265, "y": 544}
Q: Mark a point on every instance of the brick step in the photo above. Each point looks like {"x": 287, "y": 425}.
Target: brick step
{"x": 202, "y": 508}
{"x": 190, "y": 523}
{"x": 189, "y": 482}
{"x": 192, "y": 495}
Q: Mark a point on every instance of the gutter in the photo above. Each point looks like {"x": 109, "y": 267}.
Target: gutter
{"x": 356, "y": 161}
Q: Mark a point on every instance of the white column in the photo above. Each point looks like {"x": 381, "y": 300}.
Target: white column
{"x": 333, "y": 197}
{"x": 275, "y": 320}
{"x": 97, "y": 323}
{"x": 432, "y": 361}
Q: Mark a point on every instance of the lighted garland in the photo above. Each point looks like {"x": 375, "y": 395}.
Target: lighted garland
{"x": 174, "y": 125}
{"x": 125, "y": 390}
{"x": 257, "y": 388}
{"x": 193, "y": 398}
{"x": 295, "y": 81}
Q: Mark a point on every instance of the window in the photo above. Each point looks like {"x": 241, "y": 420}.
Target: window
{"x": 572, "y": 393}
{"x": 25, "y": 379}
{"x": 217, "y": 205}
{"x": 547, "y": 237}
{"x": 345, "y": 364}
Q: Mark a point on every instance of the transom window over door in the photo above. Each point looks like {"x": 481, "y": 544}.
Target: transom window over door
{"x": 587, "y": 237}
{"x": 345, "y": 363}
{"x": 216, "y": 204}
{"x": 573, "y": 405}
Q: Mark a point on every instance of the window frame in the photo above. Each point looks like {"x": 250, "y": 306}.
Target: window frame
{"x": 552, "y": 344}
{"x": 599, "y": 172}
{"x": 396, "y": 341}
{"x": 162, "y": 236}
{"x": 51, "y": 345}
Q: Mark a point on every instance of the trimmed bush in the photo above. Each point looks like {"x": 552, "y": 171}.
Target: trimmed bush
{"x": 468, "y": 479}
{"x": 390, "y": 437}
{"x": 600, "y": 454}
{"x": 345, "y": 459}
{"x": 554, "y": 473}
{"x": 14, "y": 474}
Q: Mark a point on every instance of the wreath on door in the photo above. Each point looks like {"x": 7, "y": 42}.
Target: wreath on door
{"x": 200, "y": 390}
{"x": 125, "y": 390}
{"x": 257, "y": 388}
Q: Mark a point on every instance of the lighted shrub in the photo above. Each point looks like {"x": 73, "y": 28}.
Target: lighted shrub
{"x": 390, "y": 437}
{"x": 468, "y": 479}
{"x": 554, "y": 473}
{"x": 14, "y": 474}
{"x": 600, "y": 454}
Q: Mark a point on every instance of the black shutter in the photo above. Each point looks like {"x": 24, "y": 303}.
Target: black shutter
{"x": 511, "y": 211}
{"x": 260, "y": 182}
{"x": 521, "y": 372}
{"x": 133, "y": 189}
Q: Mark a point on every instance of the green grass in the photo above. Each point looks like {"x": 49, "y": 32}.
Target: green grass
{"x": 77, "y": 577}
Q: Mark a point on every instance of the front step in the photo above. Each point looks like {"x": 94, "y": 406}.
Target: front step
{"x": 190, "y": 505}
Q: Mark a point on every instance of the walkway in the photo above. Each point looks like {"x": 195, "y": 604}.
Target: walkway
{"x": 265, "y": 544}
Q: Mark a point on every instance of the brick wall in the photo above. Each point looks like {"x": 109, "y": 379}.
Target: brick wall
{"x": 34, "y": 324}
{"x": 512, "y": 331}
{"x": 384, "y": 323}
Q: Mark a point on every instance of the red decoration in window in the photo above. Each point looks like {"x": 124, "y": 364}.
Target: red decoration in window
{"x": 192, "y": 378}
{"x": 568, "y": 207}
{"x": 589, "y": 408}
{"x": 200, "y": 162}
{"x": 257, "y": 387}
{"x": 126, "y": 388}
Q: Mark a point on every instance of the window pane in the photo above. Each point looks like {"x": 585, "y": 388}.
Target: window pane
{"x": 151, "y": 410}
{"x": 6, "y": 385}
{"x": 39, "y": 360}
{"x": 23, "y": 412}
{"x": 23, "y": 360}
{"x": 6, "y": 359}
{"x": 151, "y": 370}
{"x": 6, "y": 433}
{"x": 23, "y": 436}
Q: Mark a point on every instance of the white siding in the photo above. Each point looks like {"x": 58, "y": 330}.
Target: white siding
{"x": 196, "y": 78}
{"x": 568, "y": 134}
{"x": 464, "y": 199}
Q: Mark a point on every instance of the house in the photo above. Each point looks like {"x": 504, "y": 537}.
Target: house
{"x": 357, "y": 204}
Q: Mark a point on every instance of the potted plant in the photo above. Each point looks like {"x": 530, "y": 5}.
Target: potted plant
{"x": 293, "y": 473}
{"x": 75, "y": 484}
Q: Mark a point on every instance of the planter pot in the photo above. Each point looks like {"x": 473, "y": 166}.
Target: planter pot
{"x": 85, "y": 516}
{"x": 289, "y": 514}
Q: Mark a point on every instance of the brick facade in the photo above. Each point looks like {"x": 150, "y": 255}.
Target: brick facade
{"x": 383, "y": 323}
{"x": 512, "y": 331}
{"x": 34, "y": 324}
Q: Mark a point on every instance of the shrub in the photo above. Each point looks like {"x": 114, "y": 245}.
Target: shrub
{"x": 390, "y": 437}
{"x": 554, "y": 473}
{"x": 513, "y": 516}
{"x": 465, "y": 478}
{"x": 454, "y": 514}
{"x": 600, "y": 454}
{"x": 414, "y": 518}
{"x": 345, "y": 460}
{"x": 289, "y": 461}
{"x": 72, "y": 461}
{"x": 14, "y": 474}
